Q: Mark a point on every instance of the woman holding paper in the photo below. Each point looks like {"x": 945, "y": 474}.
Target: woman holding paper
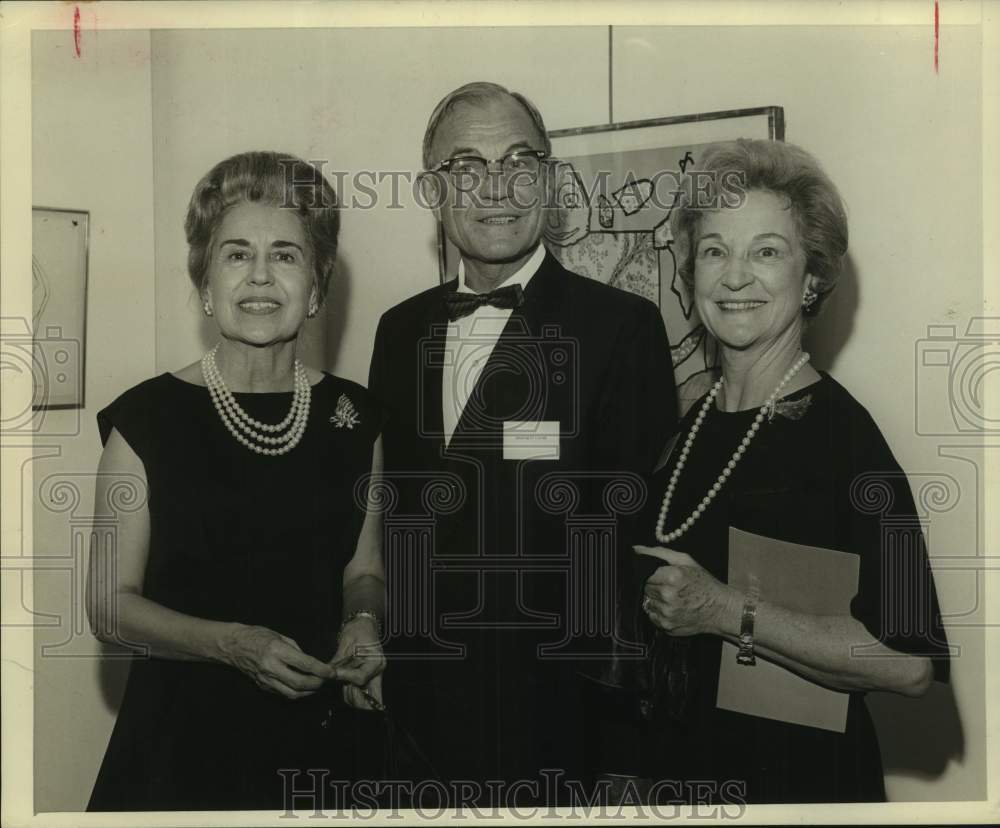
{"x": 784, "y": 452}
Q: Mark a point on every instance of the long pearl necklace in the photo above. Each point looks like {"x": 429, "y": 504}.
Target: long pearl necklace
{"x": 262, "y": 438}
{"x": 669, "y": 537}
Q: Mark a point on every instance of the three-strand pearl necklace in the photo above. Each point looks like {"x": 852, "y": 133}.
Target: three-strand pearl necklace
{"x": 262, "y": 438}
{"x": 669, "y": 537}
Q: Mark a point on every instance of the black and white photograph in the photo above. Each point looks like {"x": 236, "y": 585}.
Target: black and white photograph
{"x": 504, "y": 412}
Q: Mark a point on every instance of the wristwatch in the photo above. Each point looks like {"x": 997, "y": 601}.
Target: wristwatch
{"x": 745, "y": 654}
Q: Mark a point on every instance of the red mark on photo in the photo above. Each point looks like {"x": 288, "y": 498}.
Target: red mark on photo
{"x": 937, "y": 34}
{"x": 76, "y": 30}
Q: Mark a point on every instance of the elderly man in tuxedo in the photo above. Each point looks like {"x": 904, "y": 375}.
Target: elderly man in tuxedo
{"x": 525, "y": 401}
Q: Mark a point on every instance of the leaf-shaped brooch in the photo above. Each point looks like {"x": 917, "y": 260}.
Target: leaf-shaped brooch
{"x": 792, "y": 409}
{"x": 345, "y": 415}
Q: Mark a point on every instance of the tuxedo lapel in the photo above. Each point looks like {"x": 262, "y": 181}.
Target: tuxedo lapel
{"x": 430, "y": 350}
{"x": 477, "y": 424}
{"x": 506, "y": 384}
{"x": 544, "y": 296}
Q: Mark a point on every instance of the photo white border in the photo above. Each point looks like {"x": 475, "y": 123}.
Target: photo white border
{"x": 17, "y": 20}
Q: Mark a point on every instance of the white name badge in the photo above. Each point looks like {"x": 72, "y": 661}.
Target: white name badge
{"x": 531, "y": 440}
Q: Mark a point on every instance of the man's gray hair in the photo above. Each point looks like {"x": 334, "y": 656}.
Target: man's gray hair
{"x": 474, "y": 93}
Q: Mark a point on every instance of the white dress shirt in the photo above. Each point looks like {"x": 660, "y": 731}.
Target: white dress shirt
{"x": 470, "y": 342}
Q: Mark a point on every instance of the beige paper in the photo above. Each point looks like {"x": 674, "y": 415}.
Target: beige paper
{"x": 800, "y": 578}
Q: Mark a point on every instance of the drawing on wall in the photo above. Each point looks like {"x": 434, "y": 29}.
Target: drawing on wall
{"x": 615, "y": 187}
{"x": 59, "y": 251}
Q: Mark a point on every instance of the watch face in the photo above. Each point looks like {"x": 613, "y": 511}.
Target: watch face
{"x": 745, "y": 655}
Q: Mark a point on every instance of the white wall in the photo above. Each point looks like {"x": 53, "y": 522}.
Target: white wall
{"x": 92, "y": 150}
{"x": 901, "y": 142}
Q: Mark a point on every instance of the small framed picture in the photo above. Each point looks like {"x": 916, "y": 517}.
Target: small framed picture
{"x": 59, "y": 249}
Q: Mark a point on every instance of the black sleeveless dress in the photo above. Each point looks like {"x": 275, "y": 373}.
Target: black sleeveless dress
{"x": 237, "y": 536}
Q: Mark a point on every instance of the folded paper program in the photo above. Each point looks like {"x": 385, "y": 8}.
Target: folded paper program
{"x": 802, "y": 578}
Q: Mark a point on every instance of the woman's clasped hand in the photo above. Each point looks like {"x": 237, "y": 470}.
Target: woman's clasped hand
{"x": 275, "y": 662}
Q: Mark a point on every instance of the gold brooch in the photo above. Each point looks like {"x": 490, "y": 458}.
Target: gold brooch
{"x": 345, "y": 415}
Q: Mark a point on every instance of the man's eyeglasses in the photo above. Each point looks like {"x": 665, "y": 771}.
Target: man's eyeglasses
{"x": 521, "y": 167}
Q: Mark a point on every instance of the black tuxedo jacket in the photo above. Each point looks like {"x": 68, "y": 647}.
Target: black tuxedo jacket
{"x": 500, "y": 570}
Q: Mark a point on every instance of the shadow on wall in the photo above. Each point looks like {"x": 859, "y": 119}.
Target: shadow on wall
{"x": 918, "y": 737}
{"x": 113, "y": 674}
{"x": 208, "y": 331}
{"x": 335, "y": 310}
{"x": 829, "y": 332}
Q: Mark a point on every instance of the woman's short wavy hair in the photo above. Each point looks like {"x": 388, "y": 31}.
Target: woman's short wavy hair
{"x": 271, "y": 178}
{"x": 785, "y": 170}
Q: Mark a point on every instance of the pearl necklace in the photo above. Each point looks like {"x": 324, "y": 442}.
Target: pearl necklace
{"x": 669, "y": 537}
{"x": 262, "y": 438}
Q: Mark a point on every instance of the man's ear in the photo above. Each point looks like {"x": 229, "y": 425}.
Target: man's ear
{"x": 432, "y": 191}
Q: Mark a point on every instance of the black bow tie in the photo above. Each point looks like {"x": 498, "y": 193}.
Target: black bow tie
{"x": 462, "y": 304}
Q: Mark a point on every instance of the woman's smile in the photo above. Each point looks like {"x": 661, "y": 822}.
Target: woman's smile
{"x": 738, "y": 307}
{"x": 258, "y": 307}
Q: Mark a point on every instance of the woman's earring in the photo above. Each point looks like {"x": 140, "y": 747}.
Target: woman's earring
{"x": 313, "y": 305}
{"x": 207, "y": 307}
{"x": 810, "y": 297}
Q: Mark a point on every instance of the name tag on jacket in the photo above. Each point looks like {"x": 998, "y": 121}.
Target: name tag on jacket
{"x": 531, "y": 440}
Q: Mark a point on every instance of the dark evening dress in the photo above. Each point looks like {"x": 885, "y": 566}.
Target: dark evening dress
{"x": 237, "y": 536}
{"x": 819, "y": 474}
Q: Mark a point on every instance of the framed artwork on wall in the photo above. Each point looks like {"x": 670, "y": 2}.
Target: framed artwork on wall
{"x": 59, "y": 251}
{"x": 616, "y": 185}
